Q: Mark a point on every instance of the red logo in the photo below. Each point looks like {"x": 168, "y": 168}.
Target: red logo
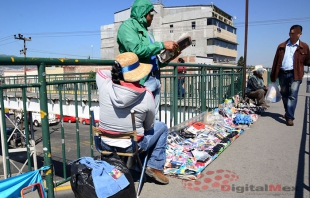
{"x": 218, "y": 179}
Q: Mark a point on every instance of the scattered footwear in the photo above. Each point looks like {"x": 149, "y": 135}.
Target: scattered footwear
{"x": 289, "y": 123}
{"x": 265, "y": 106}
{"x": 157, "y": 175}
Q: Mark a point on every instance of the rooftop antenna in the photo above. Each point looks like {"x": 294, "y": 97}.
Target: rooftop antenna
{"x": 157, "y": 1}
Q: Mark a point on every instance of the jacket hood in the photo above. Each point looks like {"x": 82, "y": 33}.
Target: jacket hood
{"x": 139, "y": 9}
{"x": 121, "y": 96}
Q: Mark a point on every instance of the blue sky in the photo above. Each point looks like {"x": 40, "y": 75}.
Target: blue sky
{"x": 71, "y": 28}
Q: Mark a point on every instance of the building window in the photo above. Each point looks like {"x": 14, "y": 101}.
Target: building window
{"x": 220, "y": 24}
{"x": 193, "y": 43}
{"x": 171, "y": 28}
{"x": 193, "y": 25}
{"x": 221, "y": 43}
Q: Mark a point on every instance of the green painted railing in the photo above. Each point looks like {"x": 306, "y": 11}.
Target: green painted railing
{"x": 205, "y": 86}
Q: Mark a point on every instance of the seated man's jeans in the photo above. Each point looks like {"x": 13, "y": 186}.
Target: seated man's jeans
{"x": 152, "y": 84}
{"x": 259, "y": 95}
{"x": 289, "y": 91}
{"x": 153, "y": 141}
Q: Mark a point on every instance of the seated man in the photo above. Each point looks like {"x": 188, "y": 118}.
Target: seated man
{"x": 120, "y": 92}
{"x": 256, "y": 89}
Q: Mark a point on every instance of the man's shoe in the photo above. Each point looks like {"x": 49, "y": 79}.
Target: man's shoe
{"x": 289, "y": 123}
{"x": 284, "y": 115}
{"x": 157, "y": 175}
{"x": 265, "y": 106}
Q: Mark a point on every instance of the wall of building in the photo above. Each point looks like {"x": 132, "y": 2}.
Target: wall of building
{"x": 181, "y": 18}
{"x": 54, "y": 70}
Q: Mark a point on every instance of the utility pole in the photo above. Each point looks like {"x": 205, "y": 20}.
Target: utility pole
{"x": 245, "y": 46}
{"x": 23, "y": 51}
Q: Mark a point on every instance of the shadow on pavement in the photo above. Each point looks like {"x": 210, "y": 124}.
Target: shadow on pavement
{"x": 275, "y": 116}
{"x": 303, "y": 154}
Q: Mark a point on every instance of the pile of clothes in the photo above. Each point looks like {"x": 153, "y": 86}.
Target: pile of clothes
{"x": 194, "y": 146}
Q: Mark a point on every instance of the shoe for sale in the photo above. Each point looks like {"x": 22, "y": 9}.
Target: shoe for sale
{"x": 265, "y": 106}
{"x": 157, "y": 175}
{"x": 289, "y": 123}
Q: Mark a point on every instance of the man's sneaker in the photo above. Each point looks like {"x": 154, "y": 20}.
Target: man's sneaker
{"x": 264, "y": 106}
{"x": 157, "y": 175}
{"x": 289, "y": 123}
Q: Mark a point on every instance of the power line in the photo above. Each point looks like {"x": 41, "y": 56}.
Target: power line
{"x": 6, "y": 38}
{"x": 96, "y": 32}
{"x": 48, "y": 52}
{"x": 7, "y": 43}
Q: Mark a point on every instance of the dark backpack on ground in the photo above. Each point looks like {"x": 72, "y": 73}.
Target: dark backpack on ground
{"x": 82, "y": 182}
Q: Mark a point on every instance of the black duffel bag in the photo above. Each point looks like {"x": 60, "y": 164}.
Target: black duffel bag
{"x": 82, "y": 182}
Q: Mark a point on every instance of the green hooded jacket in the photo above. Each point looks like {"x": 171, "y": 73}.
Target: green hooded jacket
{"x": 133, "y": 36}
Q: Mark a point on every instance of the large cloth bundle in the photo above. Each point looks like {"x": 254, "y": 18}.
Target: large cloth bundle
{"x": 111, "y": 178}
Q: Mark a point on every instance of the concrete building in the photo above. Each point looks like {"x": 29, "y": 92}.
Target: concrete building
{"x": 214, "y": 39}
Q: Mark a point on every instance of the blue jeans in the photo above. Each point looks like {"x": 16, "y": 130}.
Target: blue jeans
{"x": 181, "y": 90}
{"x": 152, "y": 83}
{"x": 153, "y": 141}
{"x": 289, "y": 91}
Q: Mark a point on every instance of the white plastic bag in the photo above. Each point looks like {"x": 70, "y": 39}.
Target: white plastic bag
{"x": 273, "y": 94}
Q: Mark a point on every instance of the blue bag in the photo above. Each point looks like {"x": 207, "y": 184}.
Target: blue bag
{"x": 12, "y": 186}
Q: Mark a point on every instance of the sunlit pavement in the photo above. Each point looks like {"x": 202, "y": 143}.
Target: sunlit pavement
{"x": 268, "y": 160}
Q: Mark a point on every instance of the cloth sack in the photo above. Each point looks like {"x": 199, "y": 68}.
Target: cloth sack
{"x": 104, "y": 173}
{"x": 83, "y": 179}
{"x": 273, "y": 94}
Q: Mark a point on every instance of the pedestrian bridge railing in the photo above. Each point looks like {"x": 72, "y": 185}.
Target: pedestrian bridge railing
{"x": 183, "y": 96}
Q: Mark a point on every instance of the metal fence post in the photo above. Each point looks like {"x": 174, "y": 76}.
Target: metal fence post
{"x": 203, "y": 90}
{"x": 4, "y": 145}
{"x": 175, "y": 95}
{"x": 221, "y": 78}
{"x": 232, "y": 85}
{"x": 92, "y": 120}
{"x": 45, "y": 130}
{"x": 77, "y": 131}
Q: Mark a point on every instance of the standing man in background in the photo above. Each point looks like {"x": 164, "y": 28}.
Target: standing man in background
{"x": 288, "y": 66}
{"x": 133, "y": 36}
{"x": 181, "y": 79}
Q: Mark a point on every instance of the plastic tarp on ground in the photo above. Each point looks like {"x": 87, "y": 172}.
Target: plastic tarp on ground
{"x": 188, "y": 156}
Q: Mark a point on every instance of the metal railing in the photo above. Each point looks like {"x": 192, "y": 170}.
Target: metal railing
{"x": 204, "y": 88}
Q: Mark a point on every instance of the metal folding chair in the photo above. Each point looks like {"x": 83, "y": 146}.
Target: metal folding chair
{"x": 135, "y": 149}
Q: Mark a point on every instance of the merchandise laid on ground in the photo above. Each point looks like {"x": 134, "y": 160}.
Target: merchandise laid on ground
{"x": 194, "y": 144}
